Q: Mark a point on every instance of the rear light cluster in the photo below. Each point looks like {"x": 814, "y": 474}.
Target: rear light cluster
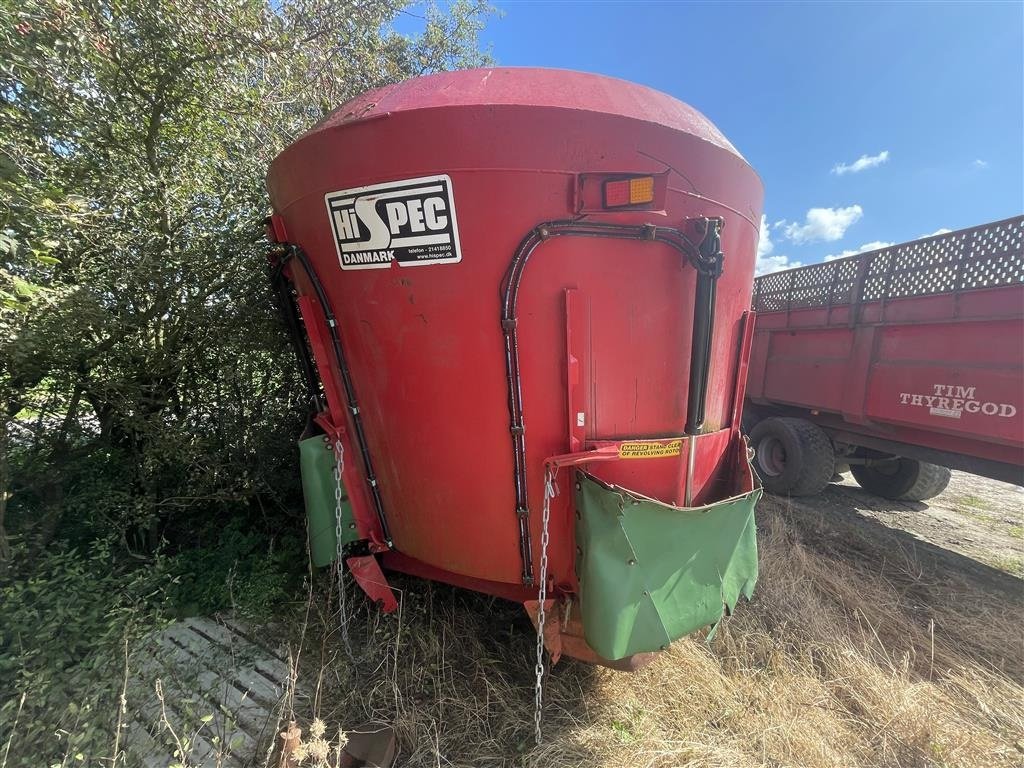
{"x": 625, "y": 192}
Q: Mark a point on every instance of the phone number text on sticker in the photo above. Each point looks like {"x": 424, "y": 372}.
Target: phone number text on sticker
{"x": 411, "y": 222}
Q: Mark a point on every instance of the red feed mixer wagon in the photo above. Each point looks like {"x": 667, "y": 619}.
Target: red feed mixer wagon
{"x": 521, "y": 299}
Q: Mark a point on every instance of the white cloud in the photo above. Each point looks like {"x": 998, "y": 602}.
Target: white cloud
{"x": 765, "y": 262}
{"x": 874, "y": 245}
{"x": 764, "y": 240}
{"x": 942, "y": 231}
{"x": 862, "y": 163}
{"x": 828, "y": 224}
{"x": 980, "y": 163}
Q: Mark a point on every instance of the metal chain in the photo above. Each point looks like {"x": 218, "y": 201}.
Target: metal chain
{"x": 339, "y": 468}
{"x": 549, "y": 493}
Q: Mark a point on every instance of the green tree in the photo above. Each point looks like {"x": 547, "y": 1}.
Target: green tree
{"x": 148, "y": 397}
{"x": 136, "y": 330}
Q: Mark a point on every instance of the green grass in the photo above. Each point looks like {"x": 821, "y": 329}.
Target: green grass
{"x": 974, "y": 514}
{"x": 974, "y": 501}
{"x": 69, "y": 613}
{"x": 629, "y": 727}
{"x": 1010, "y": 563}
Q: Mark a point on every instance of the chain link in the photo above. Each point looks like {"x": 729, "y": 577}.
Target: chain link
{"x": 550, "y": 491}
{"x": 339, "y": 565}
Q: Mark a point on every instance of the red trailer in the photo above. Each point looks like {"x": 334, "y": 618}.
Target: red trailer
{"x": 899, "y": 363}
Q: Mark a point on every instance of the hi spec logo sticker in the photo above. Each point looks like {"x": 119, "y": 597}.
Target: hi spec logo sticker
{"x": 952, "y": 400}
{"x": 411, "y": 222}
{"x": 647, "y": 449}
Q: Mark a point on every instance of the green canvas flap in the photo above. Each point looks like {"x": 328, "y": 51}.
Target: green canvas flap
{"x": 650, "y": 572}
{"x": 316, "y": 460}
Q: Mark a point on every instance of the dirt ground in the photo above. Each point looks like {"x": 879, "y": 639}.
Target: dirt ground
{"x": 977, "y": 517}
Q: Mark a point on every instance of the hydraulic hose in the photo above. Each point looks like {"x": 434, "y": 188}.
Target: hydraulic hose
{"x": 293, "y": 251}
{"x": 706, "y": 259}
{"x": 709, "y": 267}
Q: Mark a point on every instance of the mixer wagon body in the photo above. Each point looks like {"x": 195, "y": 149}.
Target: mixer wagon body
{"x": 899, "y": 363}
{"x": 526, "y": 296}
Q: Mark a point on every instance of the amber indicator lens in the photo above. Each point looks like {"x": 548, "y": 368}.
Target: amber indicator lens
{"x": 623, "y": 192}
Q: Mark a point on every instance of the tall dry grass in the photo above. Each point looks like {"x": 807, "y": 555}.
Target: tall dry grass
{"x": 856, "y": 651}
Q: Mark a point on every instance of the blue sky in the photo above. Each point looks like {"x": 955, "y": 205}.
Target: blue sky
{"x": 931, "y": 94}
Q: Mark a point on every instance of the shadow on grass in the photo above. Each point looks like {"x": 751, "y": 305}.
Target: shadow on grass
{"x": 452, "y": 670}
{"x": 974, "y": 603}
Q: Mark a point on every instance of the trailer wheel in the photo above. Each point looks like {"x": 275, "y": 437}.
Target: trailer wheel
{"x": 792, "y": 456}
{"x": 902, "y": 479}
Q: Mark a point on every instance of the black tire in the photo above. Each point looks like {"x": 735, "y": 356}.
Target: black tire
{"x": 902, "y": 479}
{"x": 748, "y": 421}
{"x": 793, "y": 457}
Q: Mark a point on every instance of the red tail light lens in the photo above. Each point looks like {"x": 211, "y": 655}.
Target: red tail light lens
{"x": 624, "y": 192}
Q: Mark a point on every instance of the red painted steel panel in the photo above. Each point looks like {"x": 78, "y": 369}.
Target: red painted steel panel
{"x": 743, "y": 365}
{"x": 424, "y": 343}
{"x": 940, "y": 365}
{"x": 986, "y": 344}
{"x": 979, "y": 403}
{"x": 855, "y": 385}
{"x": 812, "y": 344}
{"x": 577, "y": 312}
{"x": 758, "y": 362}
{"x": 988, "y": 302}
{"x": 806, "y": 382}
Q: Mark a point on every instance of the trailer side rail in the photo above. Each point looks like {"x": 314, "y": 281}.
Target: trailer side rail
{"x": 986, "y": 256}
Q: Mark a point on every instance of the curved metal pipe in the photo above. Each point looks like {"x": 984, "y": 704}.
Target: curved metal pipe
{"x": 292, "y": 250}
{"x": 290, "y": 315}
{"x": 509, "y": 293}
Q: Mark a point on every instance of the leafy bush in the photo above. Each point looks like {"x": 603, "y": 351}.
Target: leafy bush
{"x": 149, "y": 400}
{"x": 70, "y": 612}
{"x": 140, "y": 351}
{"x": 66, "y": 620}
{"x": 246, "y": 572}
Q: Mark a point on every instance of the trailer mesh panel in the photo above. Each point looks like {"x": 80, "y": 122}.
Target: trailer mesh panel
{"x": 981, "y": 257}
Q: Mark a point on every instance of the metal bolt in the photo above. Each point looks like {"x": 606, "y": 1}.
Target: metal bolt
{"x": 579, "y": 487}
{"x": 646, "y": 593}
{"x": 352, "y": 526}
{"x": 631, "y": 561}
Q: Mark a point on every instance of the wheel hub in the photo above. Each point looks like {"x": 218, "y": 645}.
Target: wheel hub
{"x": 771, "y": 456}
